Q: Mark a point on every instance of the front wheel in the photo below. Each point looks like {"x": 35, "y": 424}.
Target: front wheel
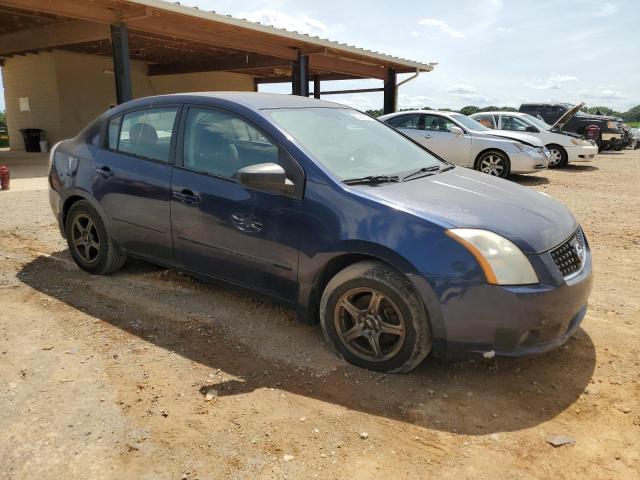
{"x": 374, "y": 319}
{"x": 558, "y": 158}
{"x": 494, "y": 162}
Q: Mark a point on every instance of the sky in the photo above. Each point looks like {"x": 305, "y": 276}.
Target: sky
{"x": 489, "y": 52}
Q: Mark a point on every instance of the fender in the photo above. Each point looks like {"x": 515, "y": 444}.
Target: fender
{"x": 70, "y": 197}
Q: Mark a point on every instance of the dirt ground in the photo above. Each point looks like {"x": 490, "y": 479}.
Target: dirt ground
{"x": 106, "y": 377}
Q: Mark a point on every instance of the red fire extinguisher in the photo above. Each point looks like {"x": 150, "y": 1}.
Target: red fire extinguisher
{"x": 4, "y": 177}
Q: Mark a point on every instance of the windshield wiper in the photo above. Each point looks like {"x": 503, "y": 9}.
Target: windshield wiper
{"x": 372, "y": 179}
{"x": 434, "y": 168}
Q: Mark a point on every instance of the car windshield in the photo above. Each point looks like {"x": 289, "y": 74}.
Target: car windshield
{"x": 351, "y": 144}
{"x": 469, "y": 123}
{"x": 537, "y": 122}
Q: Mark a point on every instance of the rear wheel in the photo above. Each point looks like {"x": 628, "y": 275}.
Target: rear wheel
{"x": 558, "y": 158}
{"x": 374, "y": 319}
{"x": 89, "y": 243}
{"x": 494, "y": 162}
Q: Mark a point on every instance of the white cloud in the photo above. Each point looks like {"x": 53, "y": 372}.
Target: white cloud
{"x": 295, "y": 23}
{"x": 464, "y": 92}
{"x": 414, "y": 33}
{"x": 442, "y": 26}
{"x": 462, "y": 89}
{"x": 554, "y": 82}
{"x": 505, "y": 29}
{"x": 606, "y": 10}
{"x": 604, "y": 93}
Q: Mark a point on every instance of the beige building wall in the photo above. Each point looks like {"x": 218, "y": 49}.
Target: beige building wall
{"x": 66, "y": 90}
{"x": 201, "y": 82}
{"x": 32, "y": 77}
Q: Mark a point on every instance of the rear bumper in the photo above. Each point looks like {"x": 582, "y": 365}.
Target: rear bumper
{"x": 581, "y": 153}
{"x": 612, "y": 136}
{"x": 510, "y": 321}
{"x": 54, "y": 203}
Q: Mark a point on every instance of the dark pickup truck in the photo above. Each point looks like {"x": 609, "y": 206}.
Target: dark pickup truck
{"x": 611, "y": 133}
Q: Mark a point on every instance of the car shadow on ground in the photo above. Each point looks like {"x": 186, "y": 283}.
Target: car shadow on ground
{"x": 529, "y": 180}
{"x": 612, "y": 152}
{"x": 473, "y": 396}
{"x": 578, "y": 168}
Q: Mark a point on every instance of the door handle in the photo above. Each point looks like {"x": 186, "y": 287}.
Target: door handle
{"x": 426, "y": 135}
{"x": 186, "y": 197}
{"x": 104, "y": 171}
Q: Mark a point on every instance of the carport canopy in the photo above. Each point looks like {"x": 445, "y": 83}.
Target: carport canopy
{"x": 173, "y": 39}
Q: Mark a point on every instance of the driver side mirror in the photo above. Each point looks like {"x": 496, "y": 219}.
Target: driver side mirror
{"x": 531, "y": 129}
{"x": 456, "y": 131}
{"x": 268, "y": 177}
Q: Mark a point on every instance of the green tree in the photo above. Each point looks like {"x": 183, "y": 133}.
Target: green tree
{"x": 632, "y": 115}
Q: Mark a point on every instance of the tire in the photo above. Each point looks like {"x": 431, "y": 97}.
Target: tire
{"x": 559, "y": 157}
{"x": 493, "y": 162}
{"x": 89, "y": 243}
{"x": 377, "y": 306}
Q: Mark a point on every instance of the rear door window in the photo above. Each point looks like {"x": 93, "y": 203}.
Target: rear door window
{"x": 147, "y": 133}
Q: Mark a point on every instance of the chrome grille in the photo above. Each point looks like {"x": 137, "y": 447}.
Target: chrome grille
{"x": 569, "y": 256}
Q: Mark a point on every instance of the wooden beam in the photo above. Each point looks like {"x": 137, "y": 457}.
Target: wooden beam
{"x": 50, "y": 36}
{"x": 323, "y": 77}
{"x": 353, "y": 90}
{"x": 236, "y": 63}
{"x": 338, "y": 65}
{"x": 212, "y": 36}
{"x": 68, "y": 8}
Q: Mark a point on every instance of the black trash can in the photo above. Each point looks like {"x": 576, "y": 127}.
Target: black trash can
{"x": 31, "y": 137}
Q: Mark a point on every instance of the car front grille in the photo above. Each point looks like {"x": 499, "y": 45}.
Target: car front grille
{"x": 569, "y": 256}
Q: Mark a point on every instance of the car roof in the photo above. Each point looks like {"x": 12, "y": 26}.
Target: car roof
{"x": 500, "y": 112}
{"x": 405, "y": 112}
{"x": 252, "y": 100}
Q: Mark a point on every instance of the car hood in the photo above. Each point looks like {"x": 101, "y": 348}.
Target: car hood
{"x": 515, "y": 136}
{"x": 469, "y": 199}
{"x": 566, "y": 116}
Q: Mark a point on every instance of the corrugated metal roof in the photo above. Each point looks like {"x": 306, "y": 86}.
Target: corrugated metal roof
{"x": 176, "y": 7}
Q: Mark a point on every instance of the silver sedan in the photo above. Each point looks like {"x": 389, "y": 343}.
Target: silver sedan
{"x": 465, "y": 142}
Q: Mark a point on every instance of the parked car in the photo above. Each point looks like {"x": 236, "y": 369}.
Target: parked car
{"x": 465, "y": 142}
{"x": 627, "y": 139}
{"x": 4, "y": 135}
{"x": 564, "y": 147}
{"x": 394, "y": 251}
{"x": 636, "y": 138}
{"x": 611, "y": 133}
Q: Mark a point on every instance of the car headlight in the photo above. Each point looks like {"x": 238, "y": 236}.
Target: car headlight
{"x": 502, "y": 262}
{"x": 528, "y": 149}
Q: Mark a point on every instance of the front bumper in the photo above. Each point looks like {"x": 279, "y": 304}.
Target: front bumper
{"x": 523, "y": 162}
{"x": 506, "y": 320}
{"x": 581, "y": 153}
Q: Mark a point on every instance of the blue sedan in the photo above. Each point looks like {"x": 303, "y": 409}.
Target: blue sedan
{"x": 394, "y": 251}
